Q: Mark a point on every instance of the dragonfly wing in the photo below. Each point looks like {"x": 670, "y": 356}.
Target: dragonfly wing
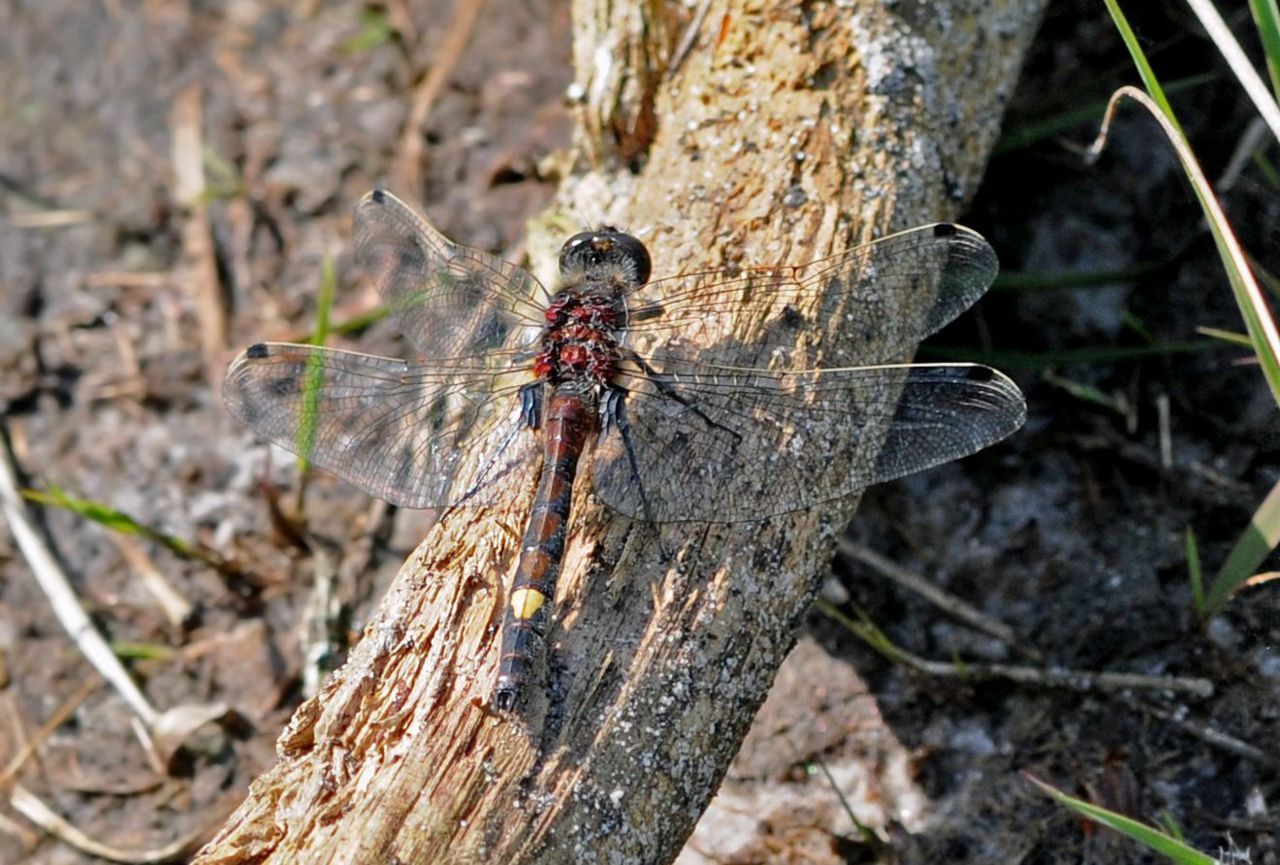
{"x": 947, "y": 412}
{"x": 739, "y": 444}
{"x": 449, "y": 300}
{"x": 392, "y": 428}
{"x": 872, "y": 303}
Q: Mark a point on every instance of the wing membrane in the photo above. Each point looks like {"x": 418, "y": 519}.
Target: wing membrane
{"x": 873, "y": 302}
{"x": 740, "y": 430}
{"x": 448, "y": 300}
{"x": 394, "y": 429}
{"x": 948, "y": 412}
{"x": 746, "y": 444}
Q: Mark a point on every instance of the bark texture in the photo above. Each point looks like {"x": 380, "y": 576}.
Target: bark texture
{"x": 788, "y": 132}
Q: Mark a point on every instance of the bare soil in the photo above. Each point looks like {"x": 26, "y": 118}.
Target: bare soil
{"x": 1071, "y": 532}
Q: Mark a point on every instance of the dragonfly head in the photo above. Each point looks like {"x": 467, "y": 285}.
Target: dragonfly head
{"x": 605, "y": 251}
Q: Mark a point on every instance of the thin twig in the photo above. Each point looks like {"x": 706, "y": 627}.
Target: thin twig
{"x": 944, "y": 601}
{"x": 53, "y": 722}
{"x": 690, "y": 35}
{"x": 161, "y": 733}
{"x": 34, "y": 809}
{"x": 128, "y": 279}
{"x": 408, "y": 172}
{"x": 45, "y": 219}
{"x": 185, "y": 121}
{"x": 1209, "y": 735}
{"x": 27, "y": 838}
{"x": 177, "y": 608}
{"x": 1083, "y": 681}
{"x": 66, "y": 606}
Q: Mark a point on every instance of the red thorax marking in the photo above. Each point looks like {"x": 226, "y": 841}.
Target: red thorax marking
{"x": 579, "y": 340}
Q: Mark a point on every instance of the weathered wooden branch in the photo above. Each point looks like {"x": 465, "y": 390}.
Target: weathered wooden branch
{"x": 788, "y": 132}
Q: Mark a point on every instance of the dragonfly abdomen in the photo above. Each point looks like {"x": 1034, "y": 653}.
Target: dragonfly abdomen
{"x": 570, "y": 418}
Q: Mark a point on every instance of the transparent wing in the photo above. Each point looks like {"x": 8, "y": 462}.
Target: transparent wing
{"x": 448, "y": 300}
{"x": 947, "y": 412}
{"x": 390, "y": 427}
{"x": 872, "y": 303}
{"x": 740, "y": 444}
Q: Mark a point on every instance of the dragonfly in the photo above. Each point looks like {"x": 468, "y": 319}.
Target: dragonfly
{"x": 643, "y": 381}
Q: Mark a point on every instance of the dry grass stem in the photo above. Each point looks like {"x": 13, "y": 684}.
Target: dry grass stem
{"x": 941, "y": 599}
{"x": 186, "y": 121}
{"x": 408, "y": 170}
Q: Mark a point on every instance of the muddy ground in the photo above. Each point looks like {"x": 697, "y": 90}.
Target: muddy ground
{"x": 1071, "y": 532}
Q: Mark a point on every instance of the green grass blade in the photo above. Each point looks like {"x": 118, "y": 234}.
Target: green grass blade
{"x": 1238, "y": 62}
{"x": 313, "y": 378}
{"x": 1059, "y": 124}
{"x": 1266, "y": 16}
{"x": 1145, "y": 71}
{"x": 349, "y": 326}
{"x": 122, "y": 523}
{"x": 1230, "y": 337}
{"x": 866, "y": 630}
{"x": 1148, "y": 836}
{"x": 130, "y": 650}
{"x": 108, "y": 517}
{"x": 357, "y": 323}
{"x": 1269, "y": 280}
{"x": 375, "y": 30}
{"x": 1254, "y": 544}
{"x": 324, "y": 304}
{"x": 868, "y": 836}
{"x": 1253, "y": 308}
{"x": 1169, "y": 825}
{"x": 1269, "y": 172}
{"x": 1090, "y": 394}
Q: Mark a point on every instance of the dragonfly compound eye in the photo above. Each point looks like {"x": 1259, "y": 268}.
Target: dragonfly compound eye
{"x": 629, "y": 249}
{"x": 607, "y": 247}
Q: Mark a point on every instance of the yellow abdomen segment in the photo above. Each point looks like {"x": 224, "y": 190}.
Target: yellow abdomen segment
{"x": 526, "y": 602}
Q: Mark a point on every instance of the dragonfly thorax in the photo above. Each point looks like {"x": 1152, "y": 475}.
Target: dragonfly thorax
{"x": 581, "y": 339}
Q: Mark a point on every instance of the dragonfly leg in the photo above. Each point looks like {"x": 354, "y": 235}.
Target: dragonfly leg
{"x": 531, "y": 405}
{"x": 664, "y": 387}
{"x": 611, "y": 408}
{"x": 613, "y": 415}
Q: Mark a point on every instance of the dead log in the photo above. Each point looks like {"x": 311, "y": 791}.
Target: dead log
{"x": 788, "y": 131}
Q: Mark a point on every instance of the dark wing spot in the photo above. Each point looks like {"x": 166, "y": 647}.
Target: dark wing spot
{"x": 247, "y": 411}
{"x": 379, "y": 196}
{"x": 257, "y": 351}
{"x": 437, "y": 415}
{"x": 411, "y": 256}
{"x": 284, "y": 386}
{"x": 406, "y": 463}
{"x": 944, "y": 229}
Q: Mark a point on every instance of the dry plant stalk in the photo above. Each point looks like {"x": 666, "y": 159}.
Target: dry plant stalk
{"x": 789, "y": 132}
